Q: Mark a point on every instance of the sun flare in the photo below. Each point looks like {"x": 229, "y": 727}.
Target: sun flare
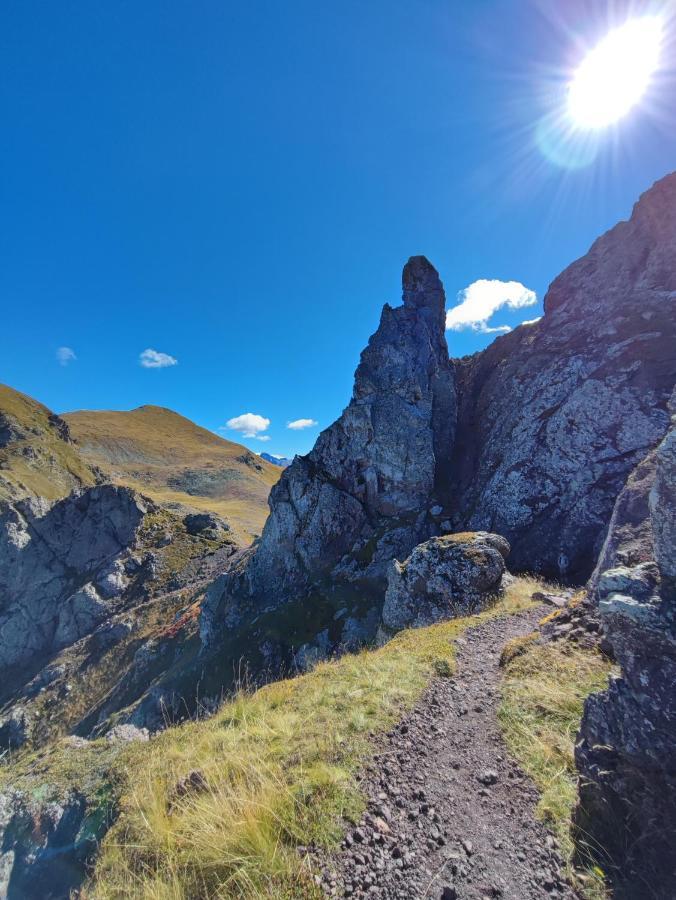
{"x": 615, "y": 74}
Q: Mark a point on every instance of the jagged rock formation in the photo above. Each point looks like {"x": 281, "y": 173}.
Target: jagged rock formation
{"x": 376, "y": 481}
{"x": 554, "y": 416}
{"x": 548, "y": 424}
{"x": 627, "y": 748}
{"x": 444, "y": 577}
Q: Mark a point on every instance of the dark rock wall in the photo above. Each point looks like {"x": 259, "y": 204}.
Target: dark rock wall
{"x": 626, "y": 753}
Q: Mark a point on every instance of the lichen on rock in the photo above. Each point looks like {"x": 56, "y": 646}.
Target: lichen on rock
{"x": 444, "y": 577}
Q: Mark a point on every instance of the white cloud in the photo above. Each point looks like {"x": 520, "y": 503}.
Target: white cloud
{"x": 481, "y": 299}
{"x": 250, "y": 425}
{"x": 65, "y": 355}
{"x": 531, "y": 321}
{"x": 153, "y": 359}
{"x": 299, "y": 424}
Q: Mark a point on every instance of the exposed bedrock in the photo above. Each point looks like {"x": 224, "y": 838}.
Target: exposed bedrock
{"x": 62, "y": 567}
{"x": 626, "y": 753}
{"x": 553, "y": 417}
{"x": 376, "y": 481}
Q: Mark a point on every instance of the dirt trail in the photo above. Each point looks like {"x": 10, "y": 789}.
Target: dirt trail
{"x": 450, "y": 815}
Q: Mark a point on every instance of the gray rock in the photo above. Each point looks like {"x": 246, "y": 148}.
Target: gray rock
{"x": 14, "y": 728}
{"x": 340, "y": 514}
{"x": 444, "y": 577}
{"x": 205, "y": 524}
{"x": 627, "y": 742}
{"x": 553, "y": 417}
{"x": 126, "y": 734}
{"x": 45, "y": 845}
{"x": 60, "y": 565}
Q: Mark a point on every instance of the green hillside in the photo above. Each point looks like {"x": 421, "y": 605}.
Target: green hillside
{"x": 172, "y": 460}
{"x": 36, "y": 456}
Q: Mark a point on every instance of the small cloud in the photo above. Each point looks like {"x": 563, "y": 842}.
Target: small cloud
{"x": 531, "y": 321}
{"x": 153, "y": 359}
{"x": 299, "y": 424}
{"x": 249, "y": 425}
{"x": 65, "y": 355}
{"x": 481, "y": 299}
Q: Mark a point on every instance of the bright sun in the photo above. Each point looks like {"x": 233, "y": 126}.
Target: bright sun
{"x": 615, "y": 74}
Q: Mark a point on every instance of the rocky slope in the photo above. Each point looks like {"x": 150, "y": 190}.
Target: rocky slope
{"x": 38, "y": 457}
{"x": 98, "y": 581}
{"x": 178, "y": 464}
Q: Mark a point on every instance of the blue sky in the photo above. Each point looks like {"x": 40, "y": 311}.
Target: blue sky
{"x": 237, "y": 186}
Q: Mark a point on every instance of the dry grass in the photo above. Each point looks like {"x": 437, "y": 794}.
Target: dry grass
{"x": 278, "y": 768}
{"x": 39, "y": 462}
{"x": 158, "y": 451}
{"x": 543, "y": 693}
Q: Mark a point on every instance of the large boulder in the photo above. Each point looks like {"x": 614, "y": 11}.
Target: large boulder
{"x": 45, "y": 844}
{"x": 626, "y": 752}
{"x": 444, "y": 577}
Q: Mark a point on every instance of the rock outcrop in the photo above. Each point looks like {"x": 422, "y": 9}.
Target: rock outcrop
{"x": 444, "y": 577}
{"x": 45, "y": 845}
{"x": 554, "y": 416}
{"x": 532, "y": 439}
{"x": 626, "y": 753}
{"x": 63, "y": 566}
{"x": 375, "y": 483}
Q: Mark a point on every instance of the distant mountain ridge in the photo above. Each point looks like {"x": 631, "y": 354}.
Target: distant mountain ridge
{"x": 282, "y": 461}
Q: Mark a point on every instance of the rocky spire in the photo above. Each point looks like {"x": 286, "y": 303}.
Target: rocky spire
{"x": 422, "y": 287}
{"x": 363, "y": 494}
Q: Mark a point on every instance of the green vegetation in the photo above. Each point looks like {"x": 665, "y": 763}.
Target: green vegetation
{"x": 172, "y": 460}
{"x": 276, "y": 770}
{"x": 37, "y": 460}
{"x": 543, "y": 693}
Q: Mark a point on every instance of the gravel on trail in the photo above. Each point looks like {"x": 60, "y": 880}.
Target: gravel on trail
{"x": 450, "y": 816}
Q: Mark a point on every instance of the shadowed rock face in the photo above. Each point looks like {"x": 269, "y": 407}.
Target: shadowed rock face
{"x": 362, "y": 495}
{"x": 554, "y": 416}
{"x": 626, "y": 752}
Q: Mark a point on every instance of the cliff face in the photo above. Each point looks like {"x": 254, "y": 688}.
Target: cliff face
{"x": 627, "y": 742}
{"x": 532, "y": 439}
{"x": 554, "y": 416}
{"x": 376, "y": 481}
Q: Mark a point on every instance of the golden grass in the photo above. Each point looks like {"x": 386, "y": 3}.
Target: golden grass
{"x": 279, "y": 767}
{"x": 39, "y": 462}
{"x": 149, "y": 448}
{"x": 543, "y": 693}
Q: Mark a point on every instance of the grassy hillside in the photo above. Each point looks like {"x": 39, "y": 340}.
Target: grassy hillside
{"x": 218, "y": 808}
{"x": 35, "y": 454}
{"x": 543, "y": 695}
{"x": 172, "y": 460}
{"x": 272, "y": 771}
